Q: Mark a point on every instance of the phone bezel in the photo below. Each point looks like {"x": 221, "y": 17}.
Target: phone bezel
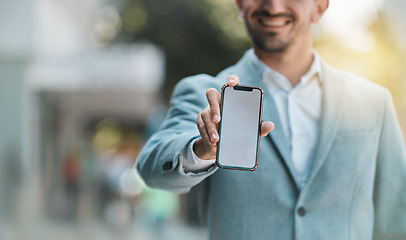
{"x": 258, "y": 133}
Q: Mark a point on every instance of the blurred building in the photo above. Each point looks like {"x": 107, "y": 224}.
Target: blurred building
{"x": 15, "y": 54}
{"x": 73, "y": 112}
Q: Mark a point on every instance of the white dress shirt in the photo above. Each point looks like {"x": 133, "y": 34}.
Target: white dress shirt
{"x": 299, "y": 109}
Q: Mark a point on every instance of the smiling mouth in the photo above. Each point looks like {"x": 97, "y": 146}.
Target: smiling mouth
{"x": 272, "y": 22}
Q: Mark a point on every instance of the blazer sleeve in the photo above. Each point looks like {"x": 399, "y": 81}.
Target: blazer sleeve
{"x": 160, "y": 162}
{"x": 390, "y": 180}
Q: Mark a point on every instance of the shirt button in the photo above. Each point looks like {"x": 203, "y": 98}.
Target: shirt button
{"x": 301, "y": 211}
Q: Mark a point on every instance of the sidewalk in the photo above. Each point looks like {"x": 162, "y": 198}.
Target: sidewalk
{"x": 52, "y": 230}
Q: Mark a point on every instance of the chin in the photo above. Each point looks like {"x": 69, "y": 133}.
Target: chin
{"x": 275, "y": 46}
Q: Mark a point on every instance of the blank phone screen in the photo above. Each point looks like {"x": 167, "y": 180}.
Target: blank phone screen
{"x": 239, "y": 127}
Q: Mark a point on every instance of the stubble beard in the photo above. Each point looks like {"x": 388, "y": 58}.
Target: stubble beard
{"x": 270, "y": 46}
{"x": 267, "y": 42}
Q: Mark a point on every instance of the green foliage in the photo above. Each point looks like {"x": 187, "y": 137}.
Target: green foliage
{"x": 193, "y": 34}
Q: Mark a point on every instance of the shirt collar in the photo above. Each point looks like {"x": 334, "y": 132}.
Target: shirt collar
{"x": 282, "y": 81}
{"x": 315, "y": 70}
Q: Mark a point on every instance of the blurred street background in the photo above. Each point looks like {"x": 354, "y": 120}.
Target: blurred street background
{"x": 84, "y": 83}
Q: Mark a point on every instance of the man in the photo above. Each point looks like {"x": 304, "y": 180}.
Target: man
{"x": 333, "y": 168}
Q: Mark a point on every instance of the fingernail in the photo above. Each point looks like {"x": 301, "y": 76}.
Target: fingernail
{"x": 215, "y": 118}
{"x": 230, "y": 80}
{"x": 212, "y": 137}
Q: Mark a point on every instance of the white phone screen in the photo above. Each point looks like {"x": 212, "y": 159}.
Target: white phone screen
{"x": 239, "y": 127}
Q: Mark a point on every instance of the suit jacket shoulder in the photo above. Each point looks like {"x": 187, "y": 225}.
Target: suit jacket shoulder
{"x": 354, "y": 84}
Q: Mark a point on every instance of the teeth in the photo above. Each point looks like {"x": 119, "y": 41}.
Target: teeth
{"x": 273, "y": 23}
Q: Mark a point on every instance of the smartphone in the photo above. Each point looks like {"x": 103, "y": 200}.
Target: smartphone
{"x": 239, "y": 128}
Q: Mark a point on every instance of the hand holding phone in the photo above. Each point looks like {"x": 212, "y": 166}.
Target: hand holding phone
{"x": 208, "y": 123}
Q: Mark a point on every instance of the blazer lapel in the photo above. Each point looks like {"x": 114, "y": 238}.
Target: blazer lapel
{"x": 332, "y": 104}
{"x": 278, "y": 136}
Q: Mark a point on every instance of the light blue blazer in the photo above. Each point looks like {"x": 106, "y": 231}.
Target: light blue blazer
{"x": 356, "y": 188}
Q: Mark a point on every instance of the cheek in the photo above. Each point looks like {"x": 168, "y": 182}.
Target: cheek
{"x": 308, "y": 16}
{"x": 305, "y": 10}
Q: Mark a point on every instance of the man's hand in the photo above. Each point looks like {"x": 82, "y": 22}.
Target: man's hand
{"x": 207, "y": 121}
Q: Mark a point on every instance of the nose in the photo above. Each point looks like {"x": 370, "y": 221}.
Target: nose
{"x": 274, "y": 6}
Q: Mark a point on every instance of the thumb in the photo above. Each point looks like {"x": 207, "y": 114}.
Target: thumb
{"x": 266, "y": 127}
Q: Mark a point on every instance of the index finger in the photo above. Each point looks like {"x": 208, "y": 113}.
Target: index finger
{"x": 213, "y": 97}
{"x": 232, "y": 80}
